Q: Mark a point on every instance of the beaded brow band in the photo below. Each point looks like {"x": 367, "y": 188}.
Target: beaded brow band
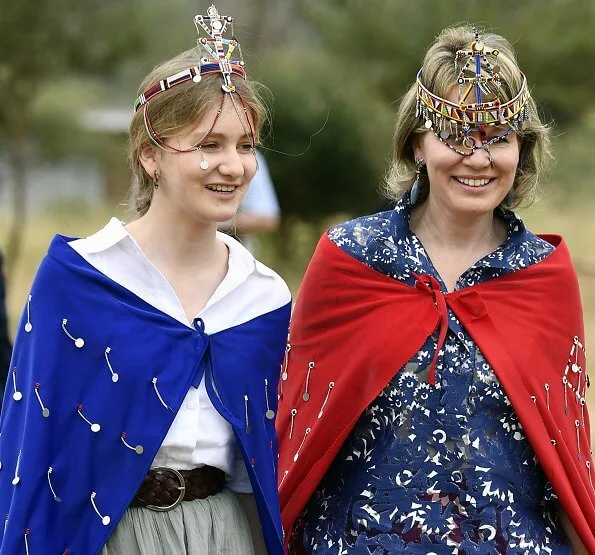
{"x": 220, "y": 61}
{"x": 182, "y": 77}
{"x": 487, "y": 113}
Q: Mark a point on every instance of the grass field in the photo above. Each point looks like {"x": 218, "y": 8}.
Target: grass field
{"x": 574, "y": 221}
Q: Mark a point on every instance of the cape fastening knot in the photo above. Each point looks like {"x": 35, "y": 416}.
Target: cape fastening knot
{"x": 430, "y": 285}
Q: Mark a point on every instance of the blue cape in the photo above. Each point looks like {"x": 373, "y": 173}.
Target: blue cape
{"x": 70, "y": 381}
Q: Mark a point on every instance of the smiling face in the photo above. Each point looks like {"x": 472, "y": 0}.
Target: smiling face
{"x": 208, "y": 195}
{"x": 469, "y": 185}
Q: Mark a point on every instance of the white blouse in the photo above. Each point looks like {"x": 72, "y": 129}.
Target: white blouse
{"x": 199, "y": 435}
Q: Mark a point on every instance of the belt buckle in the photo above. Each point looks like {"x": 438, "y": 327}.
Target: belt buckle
{"x": 181, "y": 487}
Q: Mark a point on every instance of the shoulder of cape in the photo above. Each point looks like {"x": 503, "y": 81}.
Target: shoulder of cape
{"x": 548, "y": 284}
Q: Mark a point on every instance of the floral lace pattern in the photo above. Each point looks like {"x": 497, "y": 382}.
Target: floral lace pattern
{"x": 434, "y": 469}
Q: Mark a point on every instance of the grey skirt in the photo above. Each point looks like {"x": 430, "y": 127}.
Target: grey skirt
{"x": 216, "y": 525}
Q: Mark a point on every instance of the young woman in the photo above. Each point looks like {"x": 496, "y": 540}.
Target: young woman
{"x": 433, "y": 396}
{"x": 139, "y": 415}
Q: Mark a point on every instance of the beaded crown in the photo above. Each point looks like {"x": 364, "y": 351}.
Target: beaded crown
{"x": 217, "y": 57}
{"x": 479, "y": 96}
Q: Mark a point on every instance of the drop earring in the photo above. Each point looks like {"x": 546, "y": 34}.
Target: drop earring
{"x": 156, "y": 178}
{"x": 204, "y": 165}
{"x": 415, "y": 188}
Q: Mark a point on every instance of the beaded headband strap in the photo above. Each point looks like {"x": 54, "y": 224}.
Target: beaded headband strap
{"x": 218, "y": 59}
{"x": 432, "y": 107}
{"x": 476, "y": 75}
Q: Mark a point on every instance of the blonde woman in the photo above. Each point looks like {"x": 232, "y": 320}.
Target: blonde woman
{"x": 433, "y": 398}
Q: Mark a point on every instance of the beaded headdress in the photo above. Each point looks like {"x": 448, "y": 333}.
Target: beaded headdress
{"x": 480, "y": 101}
{"x": 217, "y": 59}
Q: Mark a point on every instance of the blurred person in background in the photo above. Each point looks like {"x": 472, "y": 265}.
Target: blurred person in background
{"x": 141, "y": 415}
{"x": 5, "y": 346}
{"x": 432, "y": 399}
{"x": 259, "y": 211}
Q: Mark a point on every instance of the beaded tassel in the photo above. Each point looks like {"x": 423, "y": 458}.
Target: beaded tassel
{"x": 306, "y": 394}
{"x": 297, "y": 454}
{"x": 328, "y": 394}
{"x": 293, "y": 413}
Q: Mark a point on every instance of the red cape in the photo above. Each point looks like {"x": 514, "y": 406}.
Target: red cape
{"x": 349, "y": 317}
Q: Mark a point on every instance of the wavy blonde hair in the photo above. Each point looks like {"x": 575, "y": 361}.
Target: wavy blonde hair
{"x": 439, "y": 75}
{"x": 174, "y": 109}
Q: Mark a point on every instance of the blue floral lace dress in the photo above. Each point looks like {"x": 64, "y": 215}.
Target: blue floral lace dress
{"x": 434, "y": 469}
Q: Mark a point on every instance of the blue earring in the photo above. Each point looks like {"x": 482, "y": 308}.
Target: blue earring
{"x": 415, "y": 188}
{"x": 510, "y": 198}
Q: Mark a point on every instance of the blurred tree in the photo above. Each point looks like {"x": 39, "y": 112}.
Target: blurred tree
{"x": 332, "y": 138}
{"x": 41, "y": 42}
{"x": 384, "y": 42}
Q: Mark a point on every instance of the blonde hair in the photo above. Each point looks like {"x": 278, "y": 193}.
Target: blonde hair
{"x": 174, "y": 109}
{"x": 439, "y": 75}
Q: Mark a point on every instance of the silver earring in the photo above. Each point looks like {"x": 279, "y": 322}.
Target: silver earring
{"x": 415, "y": 188}
{"x": 204, "y": 165}
{"x": 156, "y": 178}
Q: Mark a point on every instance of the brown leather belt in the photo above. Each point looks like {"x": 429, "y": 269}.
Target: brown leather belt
{"x": 165, "y": 488}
